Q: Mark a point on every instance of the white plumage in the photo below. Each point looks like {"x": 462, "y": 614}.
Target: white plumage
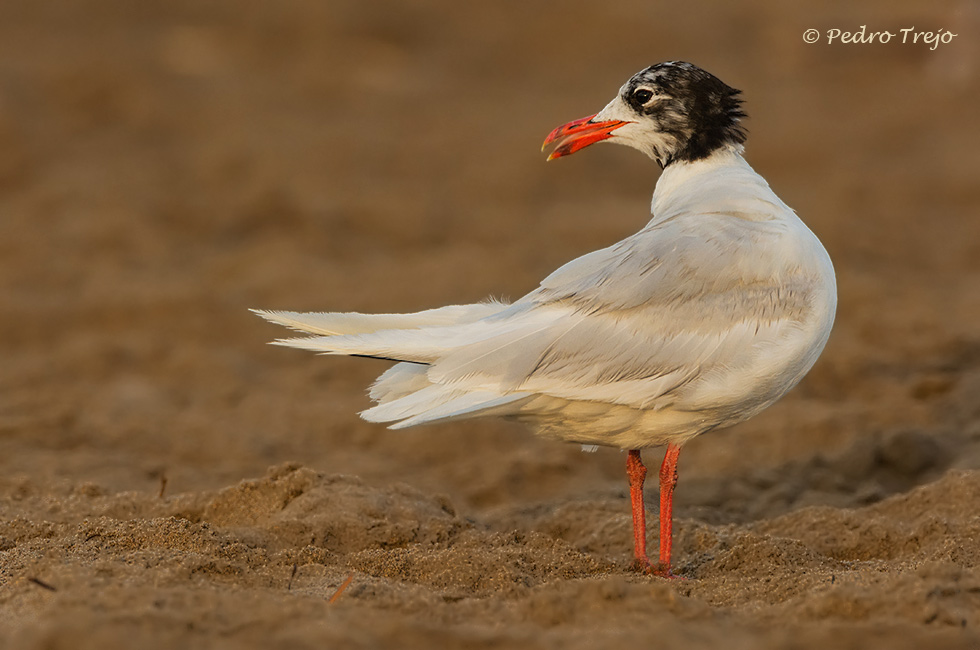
{"x": 707, "y": 315}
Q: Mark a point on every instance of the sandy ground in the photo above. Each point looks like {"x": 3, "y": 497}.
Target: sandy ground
{"x": 168, "y": 479}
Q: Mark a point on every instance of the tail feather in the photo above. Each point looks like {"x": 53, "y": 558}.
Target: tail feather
{"x": 398, "y": 381}
{"x": 426, "y": 341}
{"x": 404, "y": 393}
{"x": 338, "y": 324}
{"x": 478, "y": 403}
{"x": 417, "y": 346}
{"x": 437, "y": 402}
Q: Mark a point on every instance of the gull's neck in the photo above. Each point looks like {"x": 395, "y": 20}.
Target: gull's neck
{"x": 727, "y": 158}
{"x": 723, "y": 182}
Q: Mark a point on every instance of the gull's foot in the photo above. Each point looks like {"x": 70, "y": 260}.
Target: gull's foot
{"x": 662, "y": 571}
{"x": 643, "y": 565}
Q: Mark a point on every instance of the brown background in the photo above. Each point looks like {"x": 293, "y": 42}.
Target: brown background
{"x": 165, "y": 165}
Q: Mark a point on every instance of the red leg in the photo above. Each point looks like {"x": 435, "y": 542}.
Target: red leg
{"x": 668, "y": 481}
{"x": 636, "y": 472}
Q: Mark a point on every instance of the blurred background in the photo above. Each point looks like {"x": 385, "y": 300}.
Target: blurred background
{"x": 164, "y": 166}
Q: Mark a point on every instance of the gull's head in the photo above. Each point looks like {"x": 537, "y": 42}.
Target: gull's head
{"x": 672, "y": 112}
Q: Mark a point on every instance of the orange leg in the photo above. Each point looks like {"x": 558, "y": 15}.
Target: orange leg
{"x": 668, "y": 481}
{"x": 636, "y": 472}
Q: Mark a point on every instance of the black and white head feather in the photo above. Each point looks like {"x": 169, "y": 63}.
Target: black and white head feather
{"x": 677, "y": 112}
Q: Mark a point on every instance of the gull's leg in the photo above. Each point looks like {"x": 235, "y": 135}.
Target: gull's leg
{"x": 636, "y": 472}
{"x": 668, "y": 481}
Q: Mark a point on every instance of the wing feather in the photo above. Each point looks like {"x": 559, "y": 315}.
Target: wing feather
{"x": 644, "y": 323}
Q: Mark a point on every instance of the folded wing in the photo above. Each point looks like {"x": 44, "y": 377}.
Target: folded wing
{"x": 660, "y": 319}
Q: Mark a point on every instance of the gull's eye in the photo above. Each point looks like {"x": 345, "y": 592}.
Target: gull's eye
{"x": 642, "y": 96}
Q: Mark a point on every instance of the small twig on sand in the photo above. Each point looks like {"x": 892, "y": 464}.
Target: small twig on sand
{"x": 163, "y": 485}
{"x": 42, "y": 584}
{"x": 340, "y": 589}
{"x": 291, "y": 576}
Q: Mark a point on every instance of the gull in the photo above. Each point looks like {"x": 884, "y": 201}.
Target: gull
{"x": 715, "y": 309}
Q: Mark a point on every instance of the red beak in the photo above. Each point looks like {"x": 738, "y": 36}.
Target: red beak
{"x": 579, "y": 134}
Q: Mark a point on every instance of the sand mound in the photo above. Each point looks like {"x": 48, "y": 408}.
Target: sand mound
{"x": 257, "y": 563}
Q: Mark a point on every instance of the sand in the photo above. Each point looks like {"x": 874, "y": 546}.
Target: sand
{"x": 168, "y": 480}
